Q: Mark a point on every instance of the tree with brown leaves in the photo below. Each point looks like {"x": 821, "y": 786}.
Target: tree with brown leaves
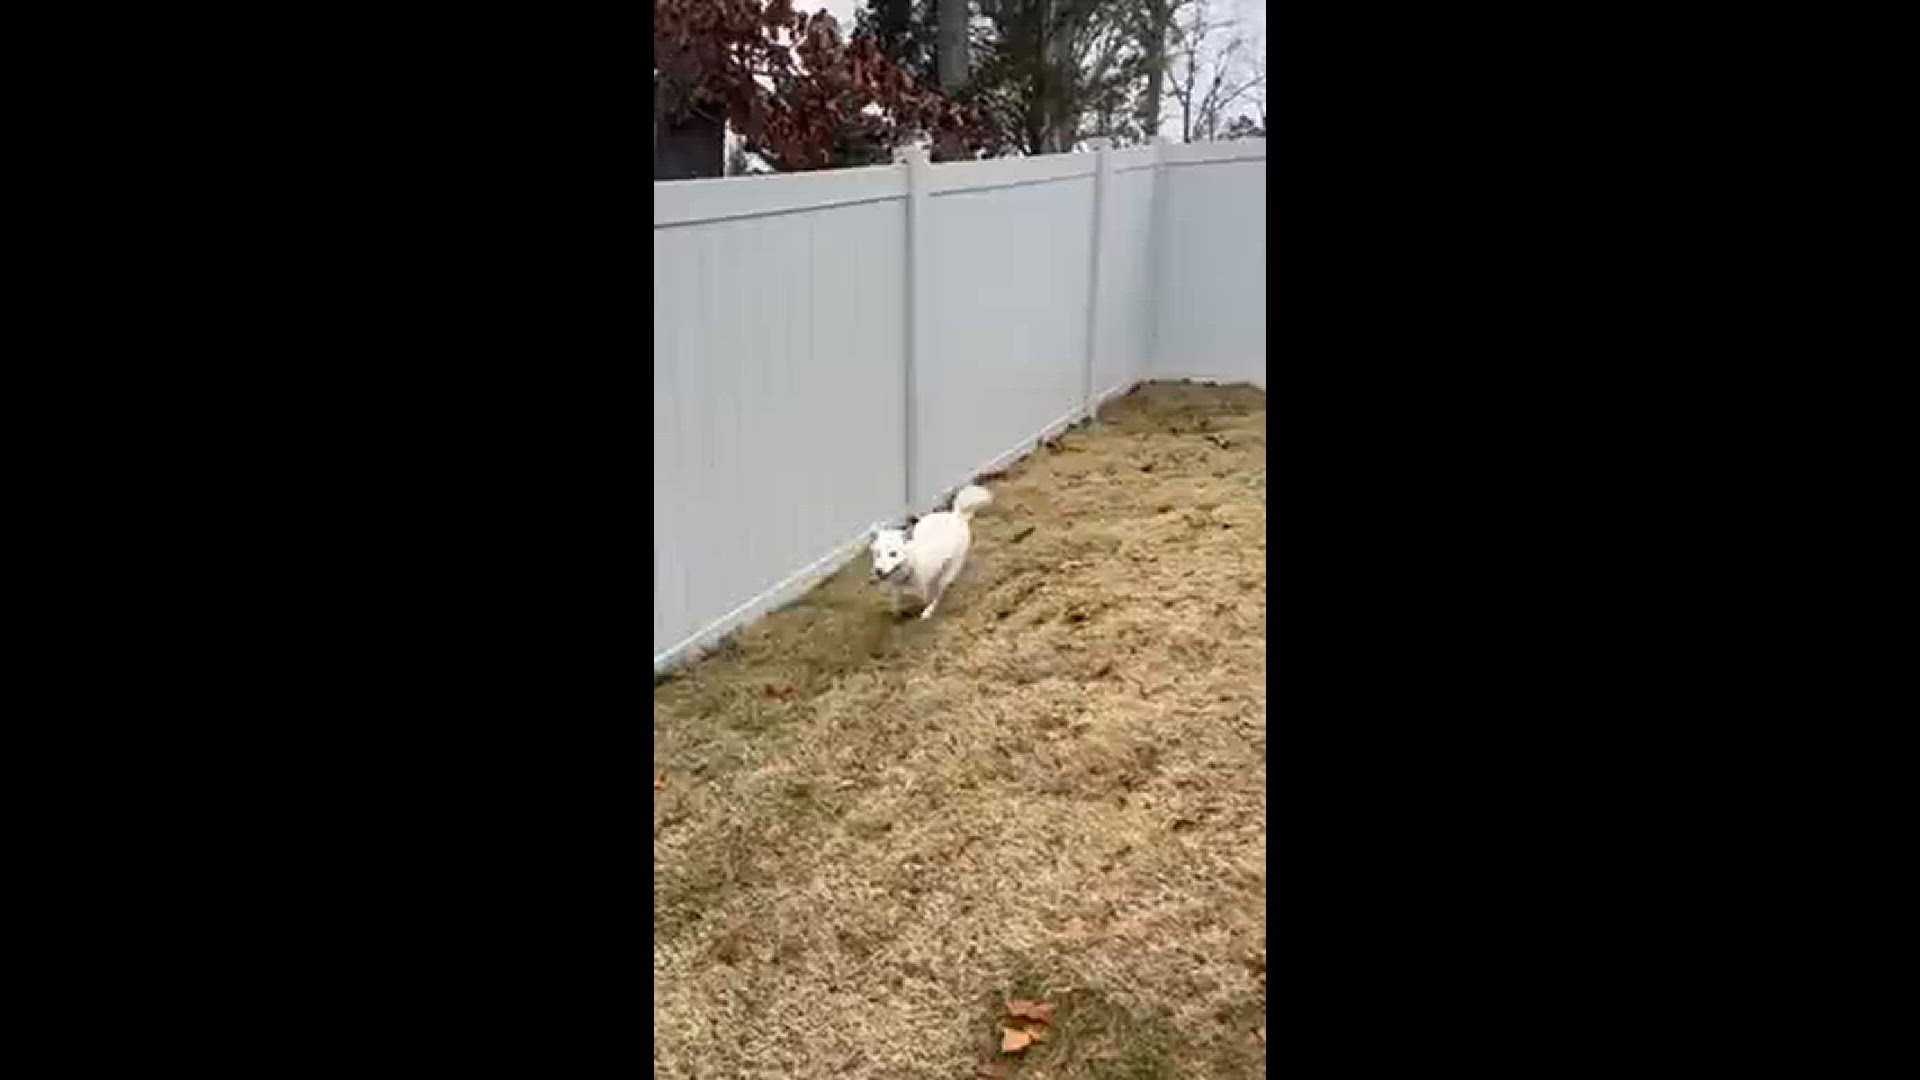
{"x": 800, "y": 95}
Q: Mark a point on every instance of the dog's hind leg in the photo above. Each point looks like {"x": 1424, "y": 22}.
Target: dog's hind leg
{"x": 939, "y": 587}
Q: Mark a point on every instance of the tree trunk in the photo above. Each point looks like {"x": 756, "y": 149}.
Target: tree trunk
{"x": 1036, "y": 131}
{"x": 953, "y": 70}
{"x": 895, "y": 19}
{"x": 1063, "y": 118}
{"x": 1156, "y": 47}
{"x": 1041, "y": 87}
{"x": 689, "y": 147}
{"x": 953, "y": 45}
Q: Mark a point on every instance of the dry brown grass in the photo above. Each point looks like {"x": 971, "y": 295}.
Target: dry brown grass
{"x": 873, "y": 831}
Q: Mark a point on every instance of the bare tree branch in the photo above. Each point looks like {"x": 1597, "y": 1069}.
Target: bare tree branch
{"x": 1192, "y": 40}
{"x": 1211, "y": 68}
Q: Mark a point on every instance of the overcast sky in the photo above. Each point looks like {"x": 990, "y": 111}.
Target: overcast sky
{"x": 1251, "y": 13}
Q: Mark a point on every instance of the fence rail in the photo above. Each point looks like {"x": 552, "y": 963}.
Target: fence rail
{"x": 837, "y": 348}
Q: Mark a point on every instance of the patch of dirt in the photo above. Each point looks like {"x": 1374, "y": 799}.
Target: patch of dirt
{"x": 872, "y": 833}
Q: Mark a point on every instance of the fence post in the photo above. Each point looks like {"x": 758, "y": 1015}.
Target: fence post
{"x": 918, "y": 174}
{"x": 1102, "y": 172}
{"x": 1159, "y": 244}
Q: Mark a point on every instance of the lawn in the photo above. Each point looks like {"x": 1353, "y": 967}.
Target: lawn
{"x": 870, "y": 834}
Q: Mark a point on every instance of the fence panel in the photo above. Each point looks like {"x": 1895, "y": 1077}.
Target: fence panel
{"x": 1126, "y": 278}
{"x": 1006, "y": 339}
{"x": 778, "y": 398}
{"x": 1212, "y": 302}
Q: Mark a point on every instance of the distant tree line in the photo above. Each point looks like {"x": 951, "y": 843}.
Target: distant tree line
{"x": 970, "y": 78}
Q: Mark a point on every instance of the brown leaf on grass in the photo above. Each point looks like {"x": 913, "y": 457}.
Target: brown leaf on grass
{"x": 1031, "y": 1010}
{"x": 1013, "y": 1040}
{"x": 659, "y": 781}
{"x": 991, "y": 1070}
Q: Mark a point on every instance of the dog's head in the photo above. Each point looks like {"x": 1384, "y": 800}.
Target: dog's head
{"x": 888, "y": 548}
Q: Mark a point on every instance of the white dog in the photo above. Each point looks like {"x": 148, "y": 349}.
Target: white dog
{"x": 926, "y": 562}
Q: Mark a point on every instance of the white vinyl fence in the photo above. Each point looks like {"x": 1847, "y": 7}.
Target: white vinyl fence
{"x": 837, "y": 348}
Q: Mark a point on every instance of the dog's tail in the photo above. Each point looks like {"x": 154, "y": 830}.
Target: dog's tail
{"x": 971, "y": 498}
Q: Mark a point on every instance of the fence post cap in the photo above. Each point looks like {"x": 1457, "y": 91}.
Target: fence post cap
{"x": 1100, "y": 142}
{"x": 909, "y": 155}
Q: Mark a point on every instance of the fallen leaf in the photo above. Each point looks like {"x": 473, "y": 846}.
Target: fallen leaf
{"x": 659, "y": 781}
{"x": 1031, "y": 1010}
{"x": 991, "y": 1070}
{"x": 1013, "y": 1040}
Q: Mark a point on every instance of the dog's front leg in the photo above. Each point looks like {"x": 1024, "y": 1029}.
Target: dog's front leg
{"x": 933, "y": 603}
